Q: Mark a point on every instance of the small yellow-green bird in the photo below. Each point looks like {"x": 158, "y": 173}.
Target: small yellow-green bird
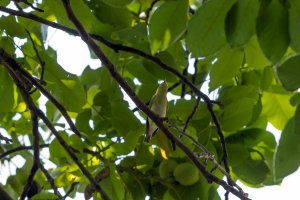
{"x": 158, "y": 104}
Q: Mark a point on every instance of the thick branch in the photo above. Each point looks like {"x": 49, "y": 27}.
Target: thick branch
{"x": 35, "y": 132}
{"x": 110, "y": 66}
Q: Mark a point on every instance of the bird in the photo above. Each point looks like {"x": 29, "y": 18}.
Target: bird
{"x": 158, "y": 104}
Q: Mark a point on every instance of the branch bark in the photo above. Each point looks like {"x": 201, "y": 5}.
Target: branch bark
{"x": 14, "y": 68}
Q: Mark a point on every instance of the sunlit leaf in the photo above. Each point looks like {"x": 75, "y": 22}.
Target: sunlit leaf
{"x": 277, "y": 108}
{"x": 65, "y": 86}
{"x": 206, "y": 31}
{"x": 167, "y": 24}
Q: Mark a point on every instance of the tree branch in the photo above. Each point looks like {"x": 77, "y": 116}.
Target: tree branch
{"x": 114, "y": 73}
{"x": 42, "y": 63}
{"x": 51, "y": 181}
{"x": 6, "y": 139}
{"x": 35, "y": 132}
{"x": 21, "y": 148}
{"x": 14, "y": 68}
{"x": 191, "y": 115}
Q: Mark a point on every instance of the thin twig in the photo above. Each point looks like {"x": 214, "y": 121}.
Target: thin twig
{"x": 35, "y": 132}
{"x": 195, "y": 71}
{"x": 191, "y": 115}
{"x": 70, "y": 190}
{"x": 195, "y": 142}
{"x": 89, "y": 190}
{"x": 42, "y": 63}
{"x": 21, "y": 148}
{"x": 93, "y": 153}
{"x": 12, "y": 65}
{"x": 183, "y": 86}
{"x": 29, "y": 4}
{"x": 29, "y": 81}
{"x": 6, "y": 139}
{"x": 51, "y": 181}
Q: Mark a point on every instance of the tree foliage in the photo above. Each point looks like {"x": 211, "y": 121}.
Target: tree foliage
{"x": 245, "y": 52}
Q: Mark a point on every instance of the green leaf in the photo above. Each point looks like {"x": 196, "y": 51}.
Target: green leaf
{"x": 237, "y": 114}
{"x": 182, "y": 108}
{"x": 83, "y": 121}
{"x": 260, "y": 146}
{"x": 237, "y": 154}
{"x": 133, "y": 185}
{"x": 289, "y": 72}
{"x": 8, "y": 44}
{"x": 195, "y": 191}
{"x": 272, "y": 25}
{"x": 123, "y": 119}
{"x": 136, "y": 69}
{"x": 11, "y": 27}
{"x": 158, "y": 71}
{"x": 116, "y": 17}
{"x": 15, "y": 183}
{"x": 5, "y": 2}
{"x": 295, "y": 99}
{"x": 57, "y": 152}
{"x": 118, "y": 3}
{"x": 241, "y": 20}
{"x": 226, "y": 67}
{"x": 297, "y": 118}
{"x": 255, "y": 58}
{"x": 294, "y": 22}
{"x": 277, "y": 108}
{"x": 229, "y": 94}
{"x": 254, "y": 138}
{"x": 144, "y": 158}
{"x": 117, "y": 186}
{"x": 167, "y": 24}
{"x": 44, "y": 195}
{"x": 253, "y": 170}
{"x": 130, "y": 142}
{"x": 64, "y": 86}
{"x": 267, "y": 78}
{"x": 135, "y": 36}
{"x": 7, "y": 93}
{"x": 206, "y": 31}
{"x": 287, "y": 153}
{"x": 251, "y": 77}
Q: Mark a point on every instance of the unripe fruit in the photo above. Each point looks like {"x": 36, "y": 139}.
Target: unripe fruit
{"x": 166, "y": 168}
{"x": 186, "y": 174}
